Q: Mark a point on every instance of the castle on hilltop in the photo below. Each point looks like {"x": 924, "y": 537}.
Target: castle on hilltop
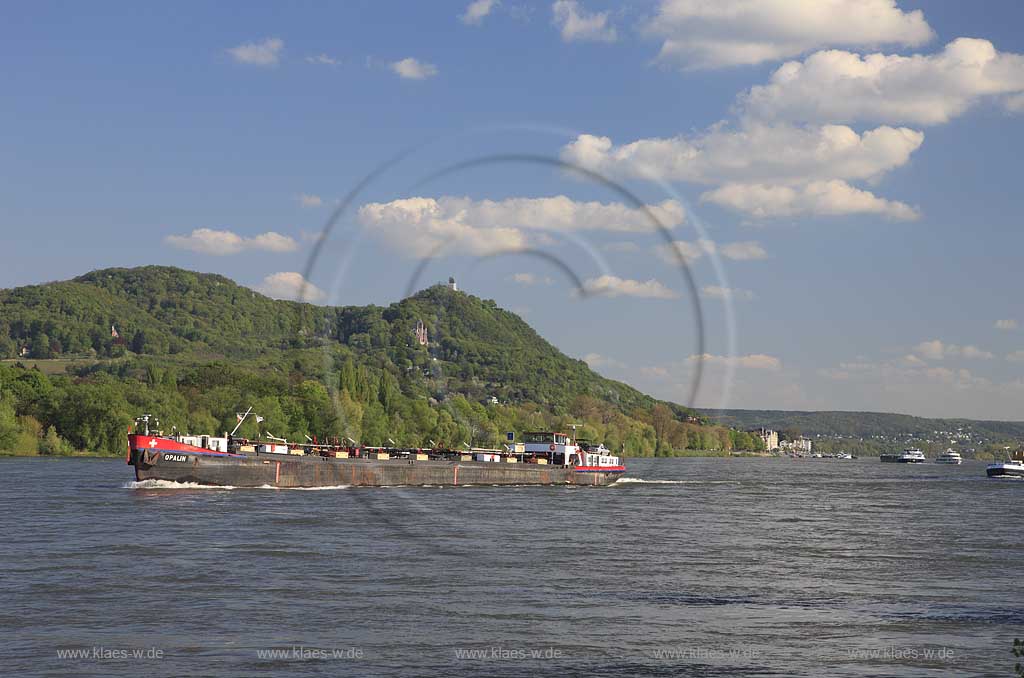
{"x": 421, "y": 333}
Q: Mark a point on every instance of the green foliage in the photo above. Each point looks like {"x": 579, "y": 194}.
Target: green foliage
{"x": 790, "y": 433}
{"x": 8, "y": 426}
{"x": 53, "y": 444}
{"x": 194, "y": 349}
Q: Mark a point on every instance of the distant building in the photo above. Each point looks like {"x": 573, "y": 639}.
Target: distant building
{"x": 421, "y": 333}
{"x": 24, "y": 351}
{"x": 801, "y": 445}
{"x": 770, "y": 438}
{"x": 452, "y": 286}
{"x": 493, "y": 400}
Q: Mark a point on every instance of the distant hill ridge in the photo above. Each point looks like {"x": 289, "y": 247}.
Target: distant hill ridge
{"x": 860, "y": 424}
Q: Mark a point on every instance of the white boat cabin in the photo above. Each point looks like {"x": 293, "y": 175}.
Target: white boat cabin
{"x": 214, "y": 444}
{"x": 560, "y": 448}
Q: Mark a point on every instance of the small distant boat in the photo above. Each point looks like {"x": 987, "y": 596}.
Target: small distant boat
{"x": 909, "y": 456}
{"x": 912, "y": 456}
{"x": 844, "y": 455}
{"x": 1010, "y": 469}
{"x": 949, "y": 457}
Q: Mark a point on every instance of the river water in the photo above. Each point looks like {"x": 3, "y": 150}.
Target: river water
{"x": 710, "y": 567}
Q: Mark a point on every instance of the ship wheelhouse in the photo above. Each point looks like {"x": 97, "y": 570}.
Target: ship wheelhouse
{"x": 560, "y": 448}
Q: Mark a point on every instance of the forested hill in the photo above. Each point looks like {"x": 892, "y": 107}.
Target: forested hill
{"x": 474, "y": 347}
{"x": 195, "y": 348}
{"x": 861, "y": 424}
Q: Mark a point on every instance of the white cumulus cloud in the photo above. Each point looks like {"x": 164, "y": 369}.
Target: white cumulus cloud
{"x": 752, "y": 153}
{"x": 754, "y": 361}
{"x": 613, "y": 286}
{"x": 291, "y": 286}
{"x": 746, "y": 250}
{"x": 309, "y": 200}
{"x": 413, "y": 69}
{"x": 577, "y": 24}
{"x": 831, "y": 198}
{"x": 596, "y": 361}
{"x": 420, "y": 226}
{"x": 717, "y": 33}
{"x": 1006, "y": 324}
{"x": 936, "y": 349}
{"x": 530, "y": 279}
{"x": 722, "y": 293}
{"x": 975, "y": 353}
{"x": 838, "y": 86}
{"x": 323, "y": 59}
{"x": 223, "y": 242}
{"x": 264, "y": 53}
{"x": 477, "y": 11}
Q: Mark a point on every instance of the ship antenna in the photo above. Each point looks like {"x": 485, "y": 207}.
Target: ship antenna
{"x": 240, "y": 420}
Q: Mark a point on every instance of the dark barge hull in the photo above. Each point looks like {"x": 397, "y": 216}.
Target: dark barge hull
{"x": 284, "y": 471}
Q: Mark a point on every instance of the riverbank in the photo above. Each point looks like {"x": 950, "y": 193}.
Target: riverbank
{"x": 69, "y": 455}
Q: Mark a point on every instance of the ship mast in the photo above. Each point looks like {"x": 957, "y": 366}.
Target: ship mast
{"x": 242, "y": 419}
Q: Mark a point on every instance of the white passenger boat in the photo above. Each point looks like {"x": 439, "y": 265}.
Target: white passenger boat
{"x": 912, "y": 456}
{"x": 949, "y": 457}
{"x": 1009, "y": 469}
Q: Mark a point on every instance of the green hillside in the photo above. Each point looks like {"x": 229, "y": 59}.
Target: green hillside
{"x": 196, "y": 348}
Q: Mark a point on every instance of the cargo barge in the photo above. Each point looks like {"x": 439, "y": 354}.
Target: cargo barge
{"x": 545, "y": 458}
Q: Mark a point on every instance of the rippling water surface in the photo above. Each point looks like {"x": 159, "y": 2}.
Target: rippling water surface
{"x": 709, "y": 567}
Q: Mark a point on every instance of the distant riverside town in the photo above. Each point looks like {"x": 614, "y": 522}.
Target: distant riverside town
{"x": 799, "y": 446}
{"x": 971, "y": 444}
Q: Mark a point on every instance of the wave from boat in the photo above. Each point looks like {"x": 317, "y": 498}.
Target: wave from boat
{"x": 154, "y": 484}
{"x": 627, "y": 481}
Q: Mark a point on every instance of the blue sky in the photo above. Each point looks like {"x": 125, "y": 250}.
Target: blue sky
{"x": 851, "y": 162}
